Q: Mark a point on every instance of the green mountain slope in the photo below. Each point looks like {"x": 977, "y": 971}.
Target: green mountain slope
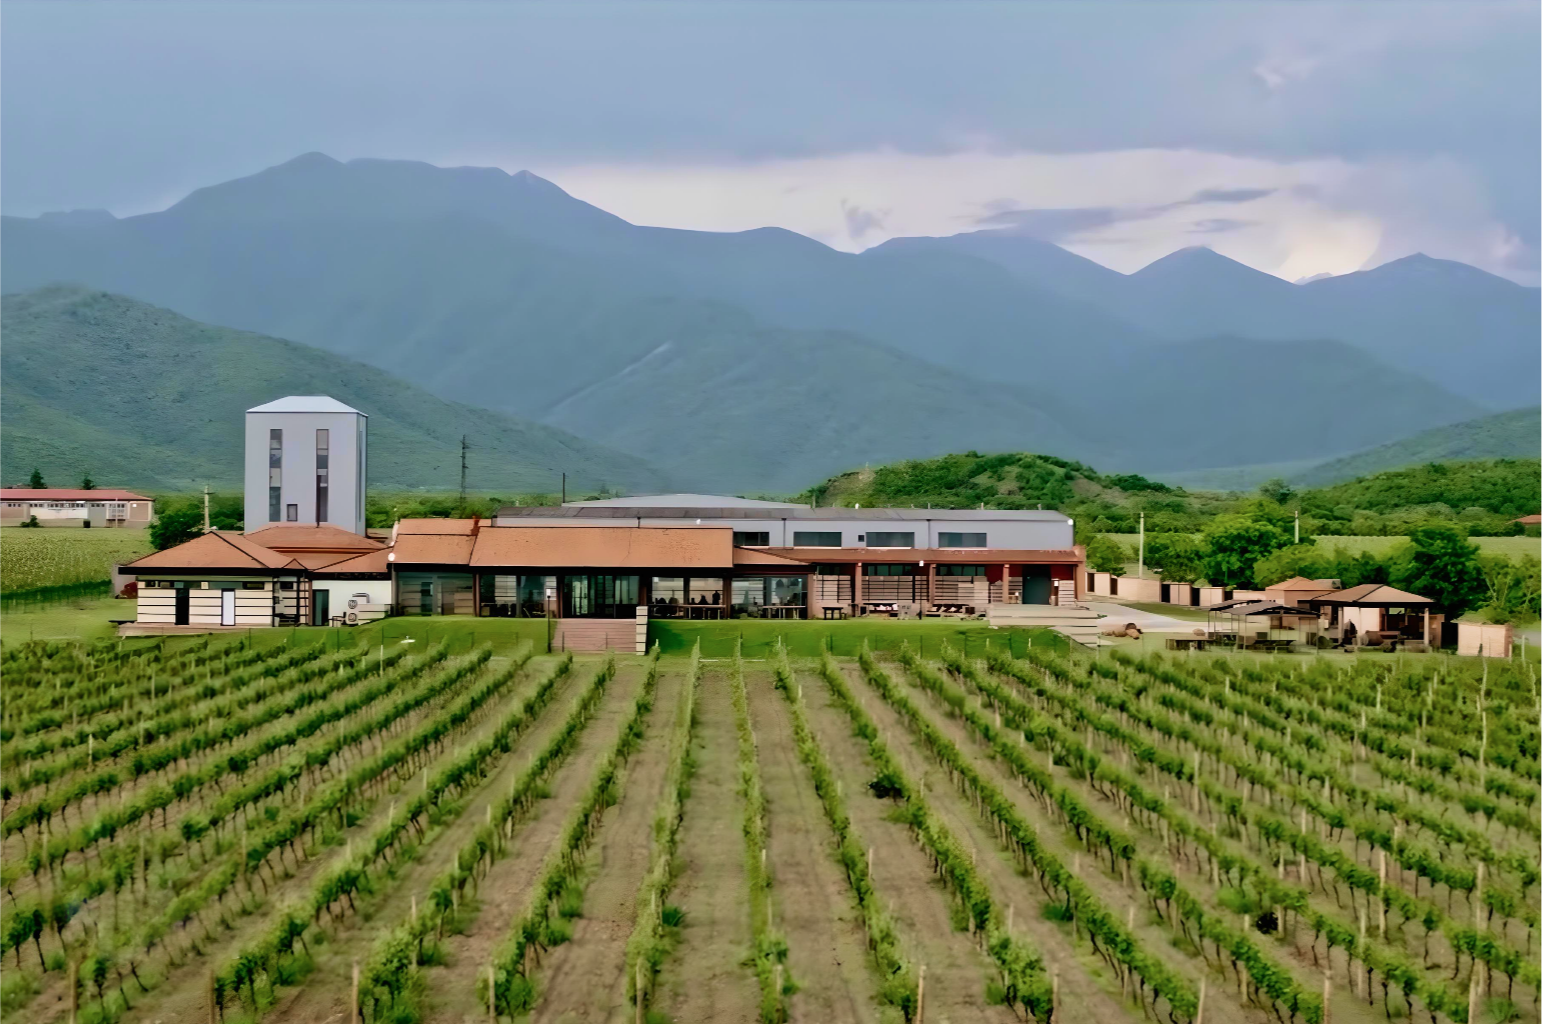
{"x": 138, "y": 396}
{"x": 504, "y": 292}
{"x": 1516, "y": 434}
{"x": 1508, "y": 487}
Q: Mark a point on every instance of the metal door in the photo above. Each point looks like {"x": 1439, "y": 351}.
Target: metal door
{"x": 183, "y": 607}
{"x": 227, "y": 607}
{"x": 321, "y": 601}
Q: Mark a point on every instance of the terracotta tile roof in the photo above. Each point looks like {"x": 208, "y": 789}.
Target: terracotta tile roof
{"x": 309, "y": 537}
{"x": 605, "y": 547}
{"x": 69, "y": 495}
{"x": 216, "y": 550}
{"x": 370, "y": 562}
{"x": 429, "y": 525}
{"x": 761, "y": 557}
{"x": 1296, "y": 584}
{"x": 1370, "y": 595}
{"x": 433, "y": 550}
{"x": 1531, "y": 520}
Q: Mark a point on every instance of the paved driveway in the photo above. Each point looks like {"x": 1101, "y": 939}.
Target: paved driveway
{"x": 1148, "y": 622}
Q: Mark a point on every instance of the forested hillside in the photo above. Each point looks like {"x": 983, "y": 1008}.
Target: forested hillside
{"x": 136, "y": 396}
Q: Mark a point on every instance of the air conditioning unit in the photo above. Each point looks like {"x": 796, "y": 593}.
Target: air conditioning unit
{"x": 359, "y": 599}
{"x": 352, "y": 618}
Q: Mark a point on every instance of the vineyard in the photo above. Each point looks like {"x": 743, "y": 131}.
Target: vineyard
{"x": 271, "y": 829}
{"x": 63, "y": 563}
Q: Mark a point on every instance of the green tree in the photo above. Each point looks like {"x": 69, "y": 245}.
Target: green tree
{"x": 36, "y": 480}
{"x": 1293, "y": 561}
{"x": 1514, "y": 588}
{"x": 1234, "y": 544}
{"x": 1177, "y": 557}
{"x": 1105, "y": 555}
{"x": 87, "y": 484}
{"x": 1439, "y": 563}
{"x": 1277, "y": 491}
{"x": 174, "y": 526}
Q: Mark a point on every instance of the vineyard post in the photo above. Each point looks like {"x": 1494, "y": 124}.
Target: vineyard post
{"x": 74, "y": 985}
{"x": 1199, "y": 1005}
{"x": 1327, "y": 995}
{"x": 492, "y": 994}
{"x": 353, "y": 1003}
{"x": 921, "y": 994}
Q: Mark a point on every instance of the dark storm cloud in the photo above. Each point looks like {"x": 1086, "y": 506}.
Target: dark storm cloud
{"x": 1066, "y": 223}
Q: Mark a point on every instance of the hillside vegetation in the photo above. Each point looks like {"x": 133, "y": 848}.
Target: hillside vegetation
{"x": 137, "y": 396}
{"x": 1515, "y": 434}
{"x": 762, "y": 360}
{"x": 1484, "y": 495}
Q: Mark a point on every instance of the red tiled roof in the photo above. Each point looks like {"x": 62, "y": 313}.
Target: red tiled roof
{"x": 605, "y": 547}
{"x": 307, "y": 537}
{"x": 369, "y": 562}
{"x": 69, "y": 495}
{"x": 432, "y": 525}
{"x": 433, "y": 550}
{"x": 761, "y": 557}
{"x": 1369, "y": 595}
{"x": 215, "y": 550}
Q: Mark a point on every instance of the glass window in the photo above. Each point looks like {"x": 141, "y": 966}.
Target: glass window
{"x": 749, "y": 593}
{"x": 880, "y": 569}
{"x": 891, "y": 539}
{"x": 275, "y": 448}
{"x": 274, "y": 500}
{"x": 832, "y": 569}
{"x": 816, "y": 538}
{"x": 947, "y": 539}
{"x": 746, "y": 538}
{"x": 669, "y": 590}
{"x": 960, "y": 571}
{"x": 323, "y": 456}
{"x": 252, "y": 585}
{"x": 785, "y": 590}
{"x": 706, "y": 591}
{"x": 292, "y": 513}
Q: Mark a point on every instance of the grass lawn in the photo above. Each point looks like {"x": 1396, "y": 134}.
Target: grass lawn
{"x": 806, "y": 638}
{"x": 1184, "y": 612}
{"x": 80, "y": 620}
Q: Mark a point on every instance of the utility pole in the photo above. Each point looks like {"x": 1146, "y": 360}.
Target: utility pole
{"x": 206, "y": 527}
{"x": 463, "y": 448}
{"x": 1298, "y": 526}
{"x": 1142, "y": 572}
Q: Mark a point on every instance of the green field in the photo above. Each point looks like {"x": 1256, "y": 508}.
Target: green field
{"x": 51, "y": 556}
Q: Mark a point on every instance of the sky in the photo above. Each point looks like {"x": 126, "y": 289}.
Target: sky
{"x": 1299, "y": 138}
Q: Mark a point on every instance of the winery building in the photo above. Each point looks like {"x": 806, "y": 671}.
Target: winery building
{"x": 613, "y": 562}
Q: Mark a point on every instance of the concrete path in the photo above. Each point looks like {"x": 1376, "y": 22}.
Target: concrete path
{"x": 1147, "y": 621}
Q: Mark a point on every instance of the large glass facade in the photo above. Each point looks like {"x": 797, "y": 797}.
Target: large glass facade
{"x": 509, "y": 595}
{"x": 770, "y": 596}
{"x": 951, "y": 539}
{"x": 816, "y": 538}
{"x": 891, "y": 539}
{"x": 599, "y": 596}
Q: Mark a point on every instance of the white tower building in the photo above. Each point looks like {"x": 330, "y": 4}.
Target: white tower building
{"x": 305, "y": 463}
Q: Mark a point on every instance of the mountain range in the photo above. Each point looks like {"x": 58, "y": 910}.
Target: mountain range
{"x": 761, "y": 360}
{"x": 137, "y": 396}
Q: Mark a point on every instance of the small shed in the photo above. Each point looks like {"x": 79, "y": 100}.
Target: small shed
{"x": 1249, "y": 622}
{"x": 1390, "y": 614}
{"x": 1298, "y": 589}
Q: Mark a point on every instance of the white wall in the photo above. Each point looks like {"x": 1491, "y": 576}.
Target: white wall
{"x": 999, "y": 533}
{"x": 254, "y": 607}
{"x": 346, "y": 467}
{"x": 374, "y": 605}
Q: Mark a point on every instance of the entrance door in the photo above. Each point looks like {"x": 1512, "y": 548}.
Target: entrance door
{"x": 1036, "y": 585}
{"x": 228, "y": 607}
{"x": 183, "y": 607}
{"x": 426, "y": 598}
{"x": 322, "y": 602}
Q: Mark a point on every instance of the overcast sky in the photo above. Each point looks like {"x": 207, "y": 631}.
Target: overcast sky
{"x": 1300, "y": 138}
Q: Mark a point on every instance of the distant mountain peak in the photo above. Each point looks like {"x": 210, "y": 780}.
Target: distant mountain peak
{"x": 80, "y": 218}
{"x": 1197, "y": 259}
{"x": 315, "y": 158}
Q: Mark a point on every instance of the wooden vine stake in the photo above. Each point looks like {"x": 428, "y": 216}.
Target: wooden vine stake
{"x": 74, "y": 985}
{"x": 1199, "y": 1005}
{"x": 1327, "y": 995}
{"x": 921, "y": 995}
{"x": 492, "y": 995}
{"x": 353, "y": 1003}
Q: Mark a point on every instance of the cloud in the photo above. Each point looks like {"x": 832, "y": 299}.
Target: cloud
{"x": 859, "y": 222}
{"x": 1064, "y": 224}
{"x": 1218, "y": 225}
{"x": 1229, "y": 195}
{"x": 1122, "y": 208}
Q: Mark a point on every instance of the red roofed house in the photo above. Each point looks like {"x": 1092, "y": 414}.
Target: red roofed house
{"x": 75, "y": 507}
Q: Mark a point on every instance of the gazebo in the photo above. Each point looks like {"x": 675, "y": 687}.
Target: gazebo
{"x": 1391, "y": 615}
{"x": 1237, "y": 619}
